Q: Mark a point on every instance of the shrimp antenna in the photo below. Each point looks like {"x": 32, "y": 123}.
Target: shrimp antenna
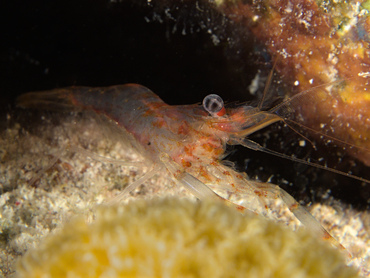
{"x": 257, "y": 147}
{"x": 321, "y": 134}
{"x": 267, "y": 86}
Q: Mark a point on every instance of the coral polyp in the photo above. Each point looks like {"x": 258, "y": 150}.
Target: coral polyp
{"x": 174, "y": 237}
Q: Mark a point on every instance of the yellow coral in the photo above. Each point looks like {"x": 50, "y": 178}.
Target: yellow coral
{"x": 180, "y": 238}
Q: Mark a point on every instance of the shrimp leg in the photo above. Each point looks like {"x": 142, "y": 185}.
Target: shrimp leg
{"x": 308, "y": 220}
{"x": 131, "y": 187}
{"x": 192, "y": 184}
{"x": 299, "y": 211}
{"x": 56, "y": 157}
{"x": 105, "y": 159}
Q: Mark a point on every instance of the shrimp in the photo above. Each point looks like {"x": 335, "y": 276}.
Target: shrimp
{"x": 188, "y": 141}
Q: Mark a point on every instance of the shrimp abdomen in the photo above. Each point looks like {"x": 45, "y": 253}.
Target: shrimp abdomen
{"x": 115, "y": 101}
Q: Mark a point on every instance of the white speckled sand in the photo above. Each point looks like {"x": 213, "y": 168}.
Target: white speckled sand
{"x": 75, "y": 184}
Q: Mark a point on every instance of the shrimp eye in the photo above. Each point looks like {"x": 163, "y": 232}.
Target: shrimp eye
{"x": 214, "y": 105}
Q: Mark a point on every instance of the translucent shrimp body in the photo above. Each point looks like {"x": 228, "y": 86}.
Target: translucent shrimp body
{"x": 185, "y": 133}
{"x": 188, "y": 141}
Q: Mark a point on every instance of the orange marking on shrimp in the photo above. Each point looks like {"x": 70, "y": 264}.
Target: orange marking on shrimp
{"x": 178, "y": 174}
{"x": 260, "y": 193}
{"x": 294, "y": 206}
{"x": 154, "y": 106}
{"x": 188, "y": 150}
{"x": 204, "y": 173}
{"x": 160, "y": 123}
{"x": 226, "y": 173}
{"x": 241, "y": 208}
{"x": 326, "y": 236}
{"x": 221, "y": 112}
{"x": 186, "y": 164}
{"x": 207, "y": 147}
{"x": 222, "y": 125}
{"x": 183, "y": 129}
{"x": 238, "y": 116}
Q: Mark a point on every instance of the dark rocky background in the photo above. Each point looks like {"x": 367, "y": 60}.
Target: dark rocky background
{"x": 182, "y": 53}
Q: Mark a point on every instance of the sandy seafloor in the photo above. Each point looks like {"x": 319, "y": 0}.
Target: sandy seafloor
{"x": 67, "y": 182}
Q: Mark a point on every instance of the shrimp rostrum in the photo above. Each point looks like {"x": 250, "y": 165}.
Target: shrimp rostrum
{"x": 187, "y": 141}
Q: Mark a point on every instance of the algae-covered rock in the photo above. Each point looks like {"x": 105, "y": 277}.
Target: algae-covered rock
{"x": 315, "y": 43}
{"x": 180, "y": 238}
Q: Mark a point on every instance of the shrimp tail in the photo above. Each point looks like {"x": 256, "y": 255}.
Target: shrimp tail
{"x": 55, "y": 100}
{"x": 115, "y": 102}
